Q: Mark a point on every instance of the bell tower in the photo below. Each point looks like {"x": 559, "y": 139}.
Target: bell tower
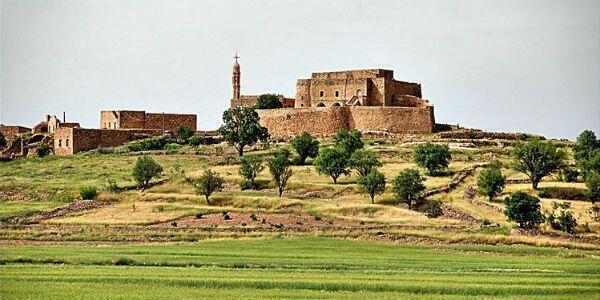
{"x": 236, "y": 78}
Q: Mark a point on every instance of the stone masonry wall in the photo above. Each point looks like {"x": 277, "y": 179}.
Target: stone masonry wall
{"x": 9, "y": 132}
{"x": 169, "y": 121}
{"x": 322, "y": 122}
{"x": 68, "y": 141}
{"x": 124, "y": 119}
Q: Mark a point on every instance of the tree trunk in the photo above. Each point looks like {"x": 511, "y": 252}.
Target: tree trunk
{"x": 334, "y": 180}
{"x": 535, "y": 184}
{"x": 372, "y": 199}
{"x": 207, "y": 201}
{"x": 241, "y": 151}
{"x": 280, "y": 192}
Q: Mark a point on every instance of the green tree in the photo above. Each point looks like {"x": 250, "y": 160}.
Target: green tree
{"x": 145, "y": 170}
{"x": 2, "y": 140}
{"x": 587, "y": 152}
{"x": 408, "y": 185}
{"x": 523, "y": 209}
{"x": 306, "y": 146}
{"x": 268, "y": 101}
{"x": 372, "y": 183}
{"x": 332, "y": 162}
{"x": 432, "y": 157}
{"x": 208, "y": 183}
{"x": 241, "y": 128}
{"x": 491, "y": 182}
{"x": 250, "y": 167}
{"x": 364, "y": 161}
{"x": 593, "y": 184}
{"x": 348, "y": 140}
{"x": 185, "y": 132}
{"x": 537, "y": 159}
{"x": 280, "y": 168}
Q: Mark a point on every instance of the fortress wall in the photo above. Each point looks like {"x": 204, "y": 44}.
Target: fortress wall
{"x": 68, "y": 141}
{"x": 392, "y": 119}
{"x": 287, "y": 123}
{"x": 346, "y": 88}
{"x": 131, "y": 119}
{"x": 169, "y": 121}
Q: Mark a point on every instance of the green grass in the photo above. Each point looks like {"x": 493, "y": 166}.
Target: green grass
{"x": 302, "y": 268}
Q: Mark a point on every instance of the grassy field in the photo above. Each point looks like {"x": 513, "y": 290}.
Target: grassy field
{"x": 304, "y": 267}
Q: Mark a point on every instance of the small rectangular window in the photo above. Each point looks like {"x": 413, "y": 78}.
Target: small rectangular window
{"x": 321, "y": 93}
{"x": 67, "y": 143}
{"x": 337, "y": 94}
{"x": 60, "y": 143}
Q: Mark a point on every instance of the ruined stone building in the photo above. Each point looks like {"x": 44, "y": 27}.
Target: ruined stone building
{"x": 369, "y": 100}
{"x": 129, "y": 119}
{"x": 51, "y": 123}
{"x": 248, "y": 100}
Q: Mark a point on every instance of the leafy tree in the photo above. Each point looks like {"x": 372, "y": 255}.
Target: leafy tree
{"x": 408, "y": 185}
{"x": 208, "y": 183}
{"x": 587, "y": 152}
{"x": 145, "y": 169}
{"x": 432, "y": 157}
{"x": 2, "y": 140}
{"x": 332, "y": 162}
{"x": 364, "y": 161}
{"x": 372, "y": 183}
{"x": 250, "y": 167}
{"x": 348, "y": 140}
{"x": 185, "y": 132}
{"x": 43, "y": 150}
{"x": 491, "y": 182}
{"x": 280, "y": 167}
{"x": 523, "y": 209}
{"x": 593, "y": 184}
{"x": 241, "y": 128}
{"x": 537, "y": 159}
{"x": 570, "y": 174}
{"x": 268, "y": 101}
{"x": 306, "y": 146}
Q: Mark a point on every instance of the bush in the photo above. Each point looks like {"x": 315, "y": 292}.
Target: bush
{"x": 565, "y": 221}
{"x": 593, "y": 184}
{"x": 88, "y": 192}
{"x": 43, "y": 150}
{"x": 587, "y": 152}
{"x": 570, "y": 174}
{"x": 268, "y": 101}
{"x": 432, "y": 157}
{"x": 544, "y": 194}
{"x": 364, "y": 161}
{"x": 184, "y": 132}
{"x": 408, "y": 185}
{"x": 594, "y": 212}
{"x": 306, "y": 146}
{"x": 145, "y": 170}
{"x": 491, "y": 182}
{"x": 155, "y": 143}
{"x": 373, "y": 184}
{"x": 208, "y": 183}
{"x": 172, "y": 146}
{"x": 433, "y": 209}
{"x": 523, "y": 209}
{"x": 348, "y": 140}
{"x": 332, "y": 162}
{"x": 2, "y": 140}
{"x": 197, "y": 140}
{"x": 250, "y": 167}
{"x": 112, "y": 186}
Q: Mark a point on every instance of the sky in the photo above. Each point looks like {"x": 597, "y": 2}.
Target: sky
{"x": 513, "y": 66}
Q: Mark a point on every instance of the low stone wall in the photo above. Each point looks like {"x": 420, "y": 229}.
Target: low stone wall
{"x": 287, "y": 123}
{"x": 68, "y": 141}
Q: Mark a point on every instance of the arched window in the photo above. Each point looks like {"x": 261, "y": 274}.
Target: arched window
{"x": 321, "y": 105}
{"x": 358, "y": 93}
{"x": 336, "y": 104}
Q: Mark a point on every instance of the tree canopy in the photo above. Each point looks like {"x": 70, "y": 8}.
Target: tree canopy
{"x": 268, "y": 101}
{"x": 372, "y": 183}
{"x": 306, "y": 146}
{"x": 144, "y": 170}
{"x": 348, "y": 140}
{"x": 432, "y": 157}
{"x": 241, "y": 128}
{"x": 280, "y": 168}
{"x": 208, "y": 183}
{"x": 524, "y": 209}
{"x": 491, "y": 182}
{"x": 364, "y": 161}
{"x": 408, "y": 185}
{"x": 537, "y": 159}
{"x": 332, "y": 162}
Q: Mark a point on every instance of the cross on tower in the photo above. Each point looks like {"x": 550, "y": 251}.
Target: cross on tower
{"x": 236, "y": 57}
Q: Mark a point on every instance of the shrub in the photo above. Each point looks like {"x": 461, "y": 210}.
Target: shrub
{"x": 268, "y": 101}
{"x": 523, "y": 209}
{"x": 433, "y": 209}
{"x": 587, "y": 152}
{"x": 408, "y": 185}
{"x": 124, "y": 262}
{"x": 155, "y": 143}
{"x": 184, "y": 132}
{"x": 593, "y": 184}
{"x": 88, "y": 192}
{"x": 332, "y": 162}
{"x": 306, "y": 146}
{"x": 199, "y": 215}
{"x": 253, "y": 217}
{"x": 364, "y": 161}
{"x": 43, "y": 150}
{"x": 112, "y": 186}
{"x": 280, "y": 168}
{"x": 250, "y": 167}
{"x": 432, "y": 157}
{"x": 565, "y": 221}
{"x": 208, "y": 183}
{"x": 594, "y": 212}
{"x": 348, "y": 140}
{"x": 486, "y": 222}
{"x": 145, "y": 170}
{"x": 491, "y": 182}
{"x": 196, "y": 140}
{"x": 537, "y": 159}
{"x": 172, "y": 146}
{"x": 373, "y": 184}
{"x": 570, "y": 174}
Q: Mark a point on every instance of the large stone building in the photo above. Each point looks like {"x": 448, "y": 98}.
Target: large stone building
{"x": 130, "y": 119}
{"x": 247, "y": 100}
{"x": 367, "y": 100}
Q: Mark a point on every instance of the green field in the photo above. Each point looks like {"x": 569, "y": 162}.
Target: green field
{"x": 303, "y": 267}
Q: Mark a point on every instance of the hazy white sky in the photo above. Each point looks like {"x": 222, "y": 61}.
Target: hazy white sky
{"x": 530, "y": 66}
